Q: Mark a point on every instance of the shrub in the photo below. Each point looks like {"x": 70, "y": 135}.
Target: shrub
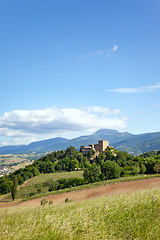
{"x": 67, "y": 200}
{"x": 50, "y": 202}
{"x": 44, "y": 202}
{"x": 39, "y": 188}
{"x": 70, "y": 182}
{"x": 52, "y": 185}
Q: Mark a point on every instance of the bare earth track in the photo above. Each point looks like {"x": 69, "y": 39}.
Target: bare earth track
{"x": 108, "y": 189}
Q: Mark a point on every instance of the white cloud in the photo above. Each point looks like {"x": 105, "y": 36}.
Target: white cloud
{"x": 152, "y": 88}
{"x": 24, "y": 126}
{"x": 103, "y": 110}
{"x": 98, "y": 53}
{"x": 114, "y": 49}
{"x": 126, "y": 90}
{"x": 94, "y": 54}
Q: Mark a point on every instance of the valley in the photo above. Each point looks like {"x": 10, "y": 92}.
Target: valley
{"x": 11, "y": 162}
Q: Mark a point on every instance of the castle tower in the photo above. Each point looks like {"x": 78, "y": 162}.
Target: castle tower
{"x": 101, "y": 146}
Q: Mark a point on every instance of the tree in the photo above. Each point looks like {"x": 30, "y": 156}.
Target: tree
{"x": 121, "y": 159}
{"x": 92, "y": 173}
{"x": 90, "y": 154}
{"x": 70, "y": 151}
{"x": 85, "y": 163}
{"x": 111, "y": 170}
{"x": 100, "y": 159}
{"x": 6, "y": 186}
{"x": 73, "y": 164}
{"x": 109, "y": 155}
{"x": 142, "y": 169}
{"x": 135, "y": 169}
{"x": 35, "y": 171}
{"x": 19, "y": 179}
{"x": 149, "y": 164}
{"x": 14, "y": 188}
{"x": 157, "y": 167}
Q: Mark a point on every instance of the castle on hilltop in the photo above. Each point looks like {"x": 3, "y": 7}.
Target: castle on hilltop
{"x": 98, "y": 148}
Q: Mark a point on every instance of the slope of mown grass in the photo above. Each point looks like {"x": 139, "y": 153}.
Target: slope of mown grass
{"x": 30, "y": 188}
{"x": 54, "y": 176}
{"x": 134, "y": 216}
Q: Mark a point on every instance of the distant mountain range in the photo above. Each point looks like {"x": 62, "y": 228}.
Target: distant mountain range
{"x": 134, "y": 144}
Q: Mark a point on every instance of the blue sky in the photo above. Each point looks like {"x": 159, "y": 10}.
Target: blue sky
{"x": 68, "y": 68}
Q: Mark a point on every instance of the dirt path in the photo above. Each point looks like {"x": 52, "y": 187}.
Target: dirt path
{"x": 108, "y": 189}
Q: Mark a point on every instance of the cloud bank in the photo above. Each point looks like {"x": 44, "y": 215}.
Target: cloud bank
{"x": 25, "y": 126}
{"x": 152, "y": 88}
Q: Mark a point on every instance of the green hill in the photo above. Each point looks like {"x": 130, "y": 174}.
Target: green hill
{"x": 41, "y": 183}
{"x": 110, "y": 164}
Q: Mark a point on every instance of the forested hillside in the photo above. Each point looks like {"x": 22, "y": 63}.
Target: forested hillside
{"x": 107, "y": 165}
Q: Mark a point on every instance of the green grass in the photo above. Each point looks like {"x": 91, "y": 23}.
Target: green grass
{"x": 30, "y": 188}
{"x": 54, "y": 176}
{"x": 134, "y": 216}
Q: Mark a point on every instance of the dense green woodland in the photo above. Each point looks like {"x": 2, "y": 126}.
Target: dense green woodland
{"x": 107, "y": 165}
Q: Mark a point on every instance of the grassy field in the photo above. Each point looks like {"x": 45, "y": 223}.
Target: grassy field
{"x": 133, "y": 216}
{"x": 30, "y": 188}
{"x": 54, "y": 176}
